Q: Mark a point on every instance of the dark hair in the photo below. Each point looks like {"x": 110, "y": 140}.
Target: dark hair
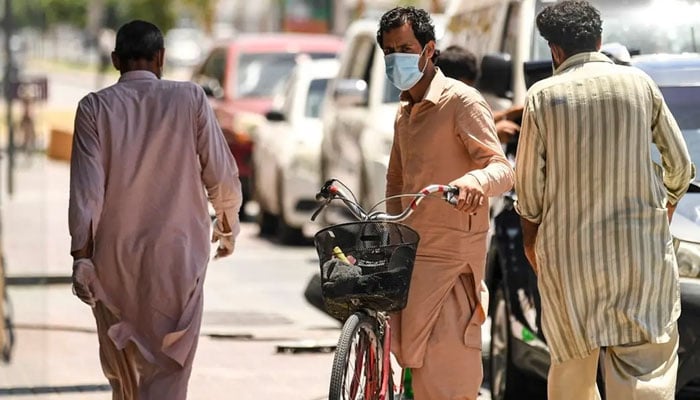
{"x": 138, "y": 40}
{"x": 573, "y": 25}
{"x": 420, "y": 21}
{"x": 458, "y": 63}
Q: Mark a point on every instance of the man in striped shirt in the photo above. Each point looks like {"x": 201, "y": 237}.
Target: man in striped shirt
{"x": 595, "y": 212}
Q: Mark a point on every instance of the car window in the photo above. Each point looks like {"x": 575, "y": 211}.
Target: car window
{"x": 215, "y": 65}
{"x": 314, "y": 98}
{"x": 682, "y": 101}
{"x": 260, "y": 73}
{"x": 361, "y": 49}
{"x": 286, "y": 92}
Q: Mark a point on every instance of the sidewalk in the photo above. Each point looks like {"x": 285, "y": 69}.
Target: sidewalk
{"x": 56, "y": 353}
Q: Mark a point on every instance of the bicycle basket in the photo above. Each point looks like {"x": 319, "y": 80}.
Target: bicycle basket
{"x": 378, "y": 274}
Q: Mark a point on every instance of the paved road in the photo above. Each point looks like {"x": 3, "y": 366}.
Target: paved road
{"x": 253, "y": 304}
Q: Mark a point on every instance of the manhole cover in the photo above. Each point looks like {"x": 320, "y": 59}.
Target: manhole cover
{"x": 244, "y": 318}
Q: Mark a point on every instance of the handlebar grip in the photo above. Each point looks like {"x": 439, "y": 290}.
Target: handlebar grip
{"x": 451, "y": 195}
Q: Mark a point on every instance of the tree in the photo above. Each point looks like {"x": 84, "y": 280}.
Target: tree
{"x": 44, "y": 14}
{"x": 203, "y": 10}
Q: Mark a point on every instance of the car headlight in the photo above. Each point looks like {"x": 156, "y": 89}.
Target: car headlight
{"x": 688, "y": 256}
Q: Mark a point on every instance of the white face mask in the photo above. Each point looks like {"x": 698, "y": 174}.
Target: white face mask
{"x": 402, "y": 69}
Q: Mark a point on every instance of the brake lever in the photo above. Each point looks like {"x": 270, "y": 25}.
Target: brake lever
{"x": 319, "y": 209}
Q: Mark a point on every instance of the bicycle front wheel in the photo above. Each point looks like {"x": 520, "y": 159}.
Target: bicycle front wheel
{"x": 357, "y": 365}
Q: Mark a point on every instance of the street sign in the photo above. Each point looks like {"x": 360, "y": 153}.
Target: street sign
{"x": 30, "y": 88}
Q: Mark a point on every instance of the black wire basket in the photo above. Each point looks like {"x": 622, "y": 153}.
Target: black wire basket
{"x": 365, "y": 265}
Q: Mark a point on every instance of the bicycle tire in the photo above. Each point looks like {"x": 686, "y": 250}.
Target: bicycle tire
{"x": 359, "y": 337}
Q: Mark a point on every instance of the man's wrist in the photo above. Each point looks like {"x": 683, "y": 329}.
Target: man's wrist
{"x": 476, "y": 177}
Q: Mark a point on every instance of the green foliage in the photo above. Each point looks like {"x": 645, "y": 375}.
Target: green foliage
{"x": 46, "y": 13}
{"x": 203, "y": 11}
{"x": 159, "y": 12}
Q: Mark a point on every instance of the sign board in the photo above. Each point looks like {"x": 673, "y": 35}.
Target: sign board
{"x": 30, "y": 88}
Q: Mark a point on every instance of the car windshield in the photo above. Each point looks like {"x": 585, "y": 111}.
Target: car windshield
{"x": 260, "y": 73}
{"x": 314, "y": 99}
{"x": 643, "y": 26}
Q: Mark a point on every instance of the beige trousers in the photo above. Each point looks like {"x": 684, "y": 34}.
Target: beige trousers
{"x": 645, "y": 371}
{"x": 451, "y": 370}
{"x": 131, "y": 376}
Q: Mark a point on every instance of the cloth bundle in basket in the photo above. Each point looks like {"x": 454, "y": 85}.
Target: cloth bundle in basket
{"x": 378, "y": 273}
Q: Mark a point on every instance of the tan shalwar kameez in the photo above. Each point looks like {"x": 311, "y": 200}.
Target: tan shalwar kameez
{"x": 147, "y": 153}
{"x": 449, "y": 133}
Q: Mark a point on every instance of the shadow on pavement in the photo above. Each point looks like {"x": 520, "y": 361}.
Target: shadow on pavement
{"x": 53, "y": 389}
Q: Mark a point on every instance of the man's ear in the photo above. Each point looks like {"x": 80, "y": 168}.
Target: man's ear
{"x": 161, "y": 58}
{"x": 116, "y": 62}
{"x": 430, "y": 50}
{"x": 598, "y": 43}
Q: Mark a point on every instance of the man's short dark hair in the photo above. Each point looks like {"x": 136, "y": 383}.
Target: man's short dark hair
{"x": 138, "y": 40}
{"x": 420, "y": 21}
{"x": 573, "y": 25}
{"x": 458, "y": 63}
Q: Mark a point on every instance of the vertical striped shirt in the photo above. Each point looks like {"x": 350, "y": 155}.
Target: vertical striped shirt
{"x": 607, "y": 270}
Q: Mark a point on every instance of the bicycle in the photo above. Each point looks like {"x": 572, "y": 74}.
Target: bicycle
{"x": 366, "y": 269}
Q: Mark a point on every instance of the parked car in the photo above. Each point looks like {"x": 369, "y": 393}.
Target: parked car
{"x": 240, "y": 76}
{"x": 519, "y": 353}
{"x": 287, "y": 151}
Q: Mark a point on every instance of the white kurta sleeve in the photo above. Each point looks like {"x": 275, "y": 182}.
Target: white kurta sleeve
{"x": 87, "y": 177}
{"x": 219, "y": 170}
{"x": 530, "y": 169}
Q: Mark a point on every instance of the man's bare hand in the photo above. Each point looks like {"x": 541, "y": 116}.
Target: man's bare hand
{"x": 223, "y": 235}
{"x": 670, "y": 208}
{"x": 532, "y": 258}
{"x": 84, "y": 281}
{"x": 506, "y": 129}
{"x": 514, "y": 112}
{"x": 471, "y": 194}
{"x": 225, "y": 248}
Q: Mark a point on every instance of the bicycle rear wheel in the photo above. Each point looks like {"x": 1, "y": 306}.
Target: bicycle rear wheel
{"x": 357, "y": 365}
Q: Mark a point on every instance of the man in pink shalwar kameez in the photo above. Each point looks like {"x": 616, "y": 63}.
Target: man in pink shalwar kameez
{"x": 444, "y": 133}
{"x": 147, "y": 154}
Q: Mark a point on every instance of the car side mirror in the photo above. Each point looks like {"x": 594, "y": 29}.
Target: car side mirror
{"x": 212, "y": 88}
{"x": 350, "y": 92}
{"x": 275, "y": 116}
{"x": 537, "y": 70}
{"x": 497, "y": 75}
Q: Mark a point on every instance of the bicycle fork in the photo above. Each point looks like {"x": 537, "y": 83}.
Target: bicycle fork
{"x": 386, "y": 362}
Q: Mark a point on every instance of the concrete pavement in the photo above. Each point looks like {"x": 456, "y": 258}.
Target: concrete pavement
{"x": 56, "y": 355}
{"x": 253, "y": 304}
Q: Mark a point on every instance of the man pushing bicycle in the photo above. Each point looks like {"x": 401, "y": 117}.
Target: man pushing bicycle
{"x": 444, "y": 132}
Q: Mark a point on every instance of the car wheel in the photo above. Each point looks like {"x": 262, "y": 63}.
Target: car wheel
{"x": 246, "y": 190}
{"x": 285, "y": 234}
{"x": 507, "y": 382}
{"x": 267, "y": 223}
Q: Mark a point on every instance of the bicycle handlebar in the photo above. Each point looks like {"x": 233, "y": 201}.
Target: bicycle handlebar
{"x": 329, "y": 192}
